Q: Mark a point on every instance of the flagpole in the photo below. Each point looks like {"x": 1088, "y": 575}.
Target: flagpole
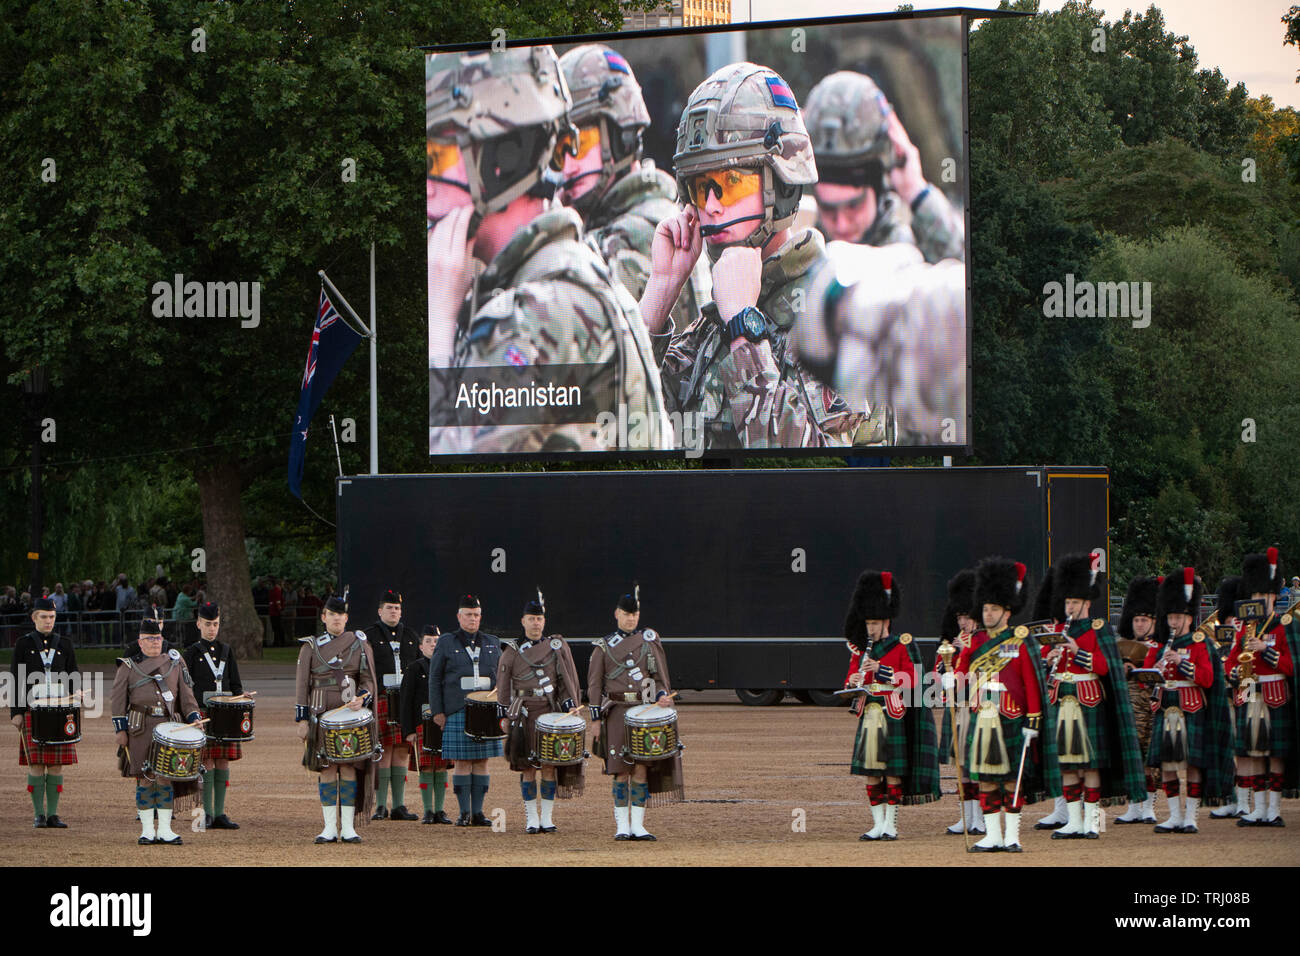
{"x": 374, "y": 375}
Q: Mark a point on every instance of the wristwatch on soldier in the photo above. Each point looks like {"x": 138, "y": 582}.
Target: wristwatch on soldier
{"x": 748, "y": 322}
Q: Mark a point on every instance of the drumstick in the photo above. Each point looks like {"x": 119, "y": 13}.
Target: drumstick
{"x": 201, "y": 720}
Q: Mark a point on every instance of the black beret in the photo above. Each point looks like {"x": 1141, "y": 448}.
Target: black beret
{"x": 43, "y": 604}
{"x": 150, "y": 627}
{"x": 468, "y": 600}
{"x": 209, "y": 611}
{"x": 431, "y": 630}
{"x": 337, "y": 605}
{"x": 391, "y": 597}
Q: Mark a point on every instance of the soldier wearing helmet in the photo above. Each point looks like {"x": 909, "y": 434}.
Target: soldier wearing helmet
{"x": 742, "y": 161}
{"x": 871, "y": 189}
{"x": 620, "y": 194}
{"x": 498, "y": 130}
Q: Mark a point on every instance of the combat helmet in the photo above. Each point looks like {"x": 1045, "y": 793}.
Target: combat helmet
{"x": 848, "y": 121}
{"x": 605, "y": 94}
{"x": 508, "y": 113}
{"x": 744, "y": 116}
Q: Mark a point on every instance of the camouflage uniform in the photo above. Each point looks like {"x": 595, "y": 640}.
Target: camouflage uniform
{"x": 757, "y": 396}
{"x": 546, "y": 298}
{"x": 623, "y": 208}
{"x": 848, "y": 115}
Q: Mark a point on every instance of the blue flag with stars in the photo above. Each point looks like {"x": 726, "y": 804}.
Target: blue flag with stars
{"x": 332, "y": 341}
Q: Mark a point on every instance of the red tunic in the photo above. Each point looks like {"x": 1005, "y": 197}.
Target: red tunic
{"x": 1275, "y": 692}
{"x": 1088, "y": 693}
{"x": 1019, "y": 675}
{"x": 898, "y": 658}
{"x": 1190, "y": 699}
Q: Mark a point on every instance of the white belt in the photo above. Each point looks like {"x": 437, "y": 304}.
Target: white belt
{"x": 993, "y": 685}
{"x": 1077, "y": 678}
{"x": 1172, "y": 684}
{"x": 1269, "y": 678}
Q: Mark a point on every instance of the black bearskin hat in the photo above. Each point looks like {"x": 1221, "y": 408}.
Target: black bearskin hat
{"x": 1140, "y": 600}
{"x": 961, "y": 600}
{"x": 1179, "y": 593}
{"x": 875, "y": 598}
{"x": 1261, "y": 573}
{"x": 1003, "y": 583}
{"x": 1229, "y": 594}
{"x": 1077, "y": 576}
{"x": 1048, "y": 604}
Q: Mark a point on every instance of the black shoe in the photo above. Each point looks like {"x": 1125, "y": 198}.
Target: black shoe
{"x": 355, "y": 839}
{"x": 976, "y": 848}
{"x": 207, "y": 821}
{"x": 222, "y": 822}
{"x": 1076, "y": 835}
{"x": 1014, "y": 847}
{"x": 865, "y": 838}
{"x": 622, "y": 836}
{"x": 533, "y": 830}
{"x": 1187, "y": 829}
{"x": 480, "y": 821}
{"x": 1243, "y": 822}
{"x": 428, "y": 817}
{"x": 39, "y": 822}
{"x": 146, "y": 841}
{"x": 441, "y": 817}
{"x": 463, "y": 820}
{"x": 1275, "y": 822}
{"x": 889, "y": 837}
{"x": 401, "y": 813}
{"x": 1040, "y": 825}
{"x": 174, "y": 841}
{"x": 645, "y": 838}
{"x": 52, "y": 822}
{"x": 1090, "y": 835}
{"x": 325, "y": 839}
{"x": 380, "y": 814}
{"x": 549, "y": 829}
{"x": 1161, "y": 828}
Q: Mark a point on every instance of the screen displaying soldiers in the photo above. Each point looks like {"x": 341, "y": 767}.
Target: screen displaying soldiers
{"x": 699, "y": 244}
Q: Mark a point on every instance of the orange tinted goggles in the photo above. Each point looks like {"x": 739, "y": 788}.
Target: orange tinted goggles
{"x": 588, "y": 137}
{"x": 729, "y": 185}
{"x": 441, "y": 157}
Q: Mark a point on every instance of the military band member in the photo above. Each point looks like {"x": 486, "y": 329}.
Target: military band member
{"x": 1096, "y": 740}
{"x": 1049, "y": 609}
{"x": 1191, "y": 728}
{"x": 498, "y": 130}
{"x": 335, "y": 669}
{"x": 959, "y": 624}
{"x": 894, "y": 747}
{"x": 742, "y": 161}
{"x": 619, "y": 193}
{"x": 215, "y": 671}
{"x": 1137, "y": 623}
{"x": 1225, "y": 605}
{"x": 629, "y": 667}
{"x": 465, "y": 661}
{"x": 394, "y": 646}
{"x": 1008, "y": 703}
{"x": 415, "y": 707}
{"x": 870, "y": 186}
{"x": 149, "y": 689}
{"x": 534, "y": 678}
{"x": 1266, "y": 746}
{"x": 44, "y": 653}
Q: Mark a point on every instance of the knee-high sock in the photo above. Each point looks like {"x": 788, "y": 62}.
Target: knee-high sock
{"x": 460, "y": 783}
{"x": 36, "y": 790}
{"x": 219, "y": 784}
{"x": 165, "y": 795}
{"x": 620, "y": 793}
{"x": 347, "y": 793}
{"x": 143, "y": 797}
{"x": 329, "y": 793}
{"x": 381, "y": 787}
{"x": 640, "y": 793}
{"x": 399, "y": 786}
{"x": 548, "y": 789}
{"x": 528, "y": 788}
{"x": 53, "y": 787}
{"x": 478, "y": 788}
{"x": 426, "y": 790}
{"x": 439, "y": 790}
{"x": 209, "y": 785}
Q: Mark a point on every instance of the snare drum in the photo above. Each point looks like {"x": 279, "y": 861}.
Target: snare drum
{"x": 393, "y": 698}
{"x": 485, "y": 719}
{"x": 651, "y": 732}
{"x": 558, "y": 739}
{"x": 174, "y": 751}
{"x": 432, "y": 734}
{"x": 55, "y": 720}
{"x": 346, "y": 735}
{"x": 230, "y": 718}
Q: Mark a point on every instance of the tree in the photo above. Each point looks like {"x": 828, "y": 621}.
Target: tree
{"x": 210, "y": 142}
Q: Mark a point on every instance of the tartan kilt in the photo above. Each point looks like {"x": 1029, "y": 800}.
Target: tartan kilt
{"x": 49, "y": 755}
{"x": 1197, "y": 734}
{"x": 947, "y": 752}
{"x": 426, "y": 761}
{"x": 1015, "y": 742}
{"x": 219, "y": 749}
{"x": 457, "y": 746}
{"x": 1281, "y": 731}
{"x": 895, "y": 748}
{"x": 390, "y": 734}
{"x": 1098, "y": 746}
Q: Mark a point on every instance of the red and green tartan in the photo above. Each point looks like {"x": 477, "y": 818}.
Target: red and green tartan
{"x": 427, "y": 760}
{"x": 1115, "y": 731}
{"x": 390, "y": 735}
{"x": 49, "y": 755}
{"x": 219, "y": 749}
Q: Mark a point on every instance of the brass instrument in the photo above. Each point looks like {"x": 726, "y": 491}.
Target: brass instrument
{"x": 1246, "y": 659}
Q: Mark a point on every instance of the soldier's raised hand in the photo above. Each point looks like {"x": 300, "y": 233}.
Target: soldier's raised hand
{"x": 450, "y": 277}
{"x": 906, "y": 176}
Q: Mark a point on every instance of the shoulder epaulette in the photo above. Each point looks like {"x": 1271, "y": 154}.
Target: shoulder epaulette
{"x": 1098, "y": 623}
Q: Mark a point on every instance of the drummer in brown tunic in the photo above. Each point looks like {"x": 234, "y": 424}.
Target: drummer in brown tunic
{"x": 534, "y": 678}
{"x": 335, "y": 669}
{"x": 628, "y": 668}
{"x": 149, "y": 689}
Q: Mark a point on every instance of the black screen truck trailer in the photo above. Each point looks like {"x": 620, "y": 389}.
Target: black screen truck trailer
{"x": 746, "y": 574}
